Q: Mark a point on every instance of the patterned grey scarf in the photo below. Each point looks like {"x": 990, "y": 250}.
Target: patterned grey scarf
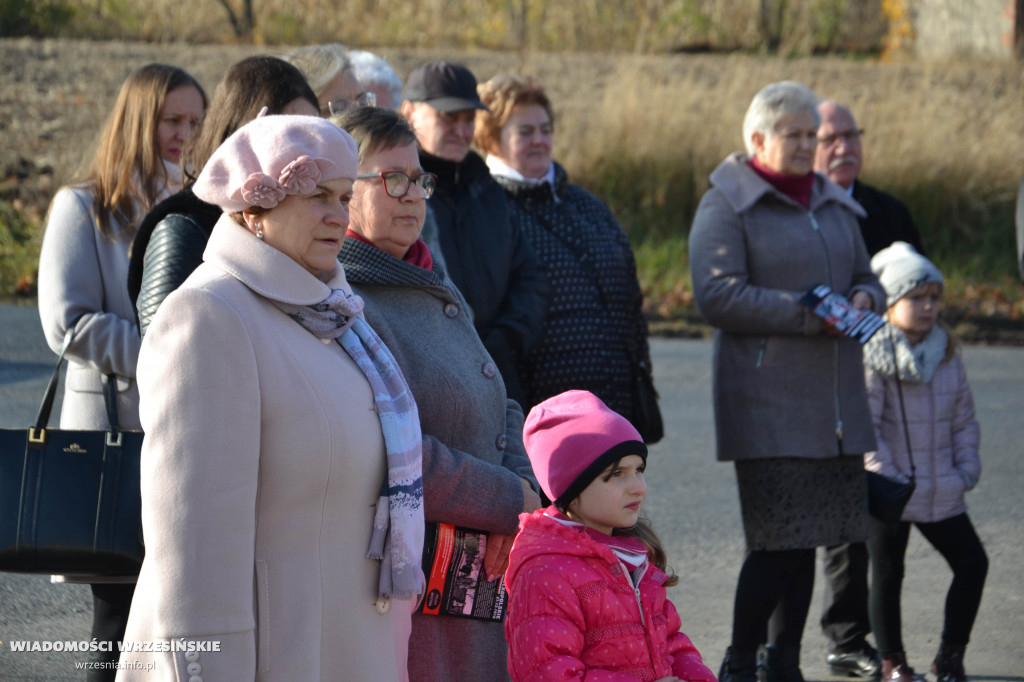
{"x": 398, "y": 525}
{"x": 916, "y": 363}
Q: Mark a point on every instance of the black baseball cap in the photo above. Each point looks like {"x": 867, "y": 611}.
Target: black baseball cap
{"x": 446, "y": 86}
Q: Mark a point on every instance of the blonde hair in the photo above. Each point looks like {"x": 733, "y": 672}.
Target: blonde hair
{"x": 502, "y": 94}
{"x": 127, "y": 173}
{"x": 320, "y": 64}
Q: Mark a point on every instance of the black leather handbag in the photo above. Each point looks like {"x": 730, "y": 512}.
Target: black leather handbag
{"x": 69, "y": 500}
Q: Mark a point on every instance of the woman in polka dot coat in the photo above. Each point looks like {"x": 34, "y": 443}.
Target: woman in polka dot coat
{"x": 586, "y": 584}
{"x": 595, "y": 334}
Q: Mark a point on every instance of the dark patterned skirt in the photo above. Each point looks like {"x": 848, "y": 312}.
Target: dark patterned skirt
{"x": 796, "y": 503}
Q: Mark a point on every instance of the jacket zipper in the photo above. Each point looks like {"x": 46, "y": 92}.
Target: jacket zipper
{"x": 640, "y": 608}
{"x": 835, "y": 342}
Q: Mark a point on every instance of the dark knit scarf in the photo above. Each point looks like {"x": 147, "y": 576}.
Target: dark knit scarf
{"x": 418, "y": 254}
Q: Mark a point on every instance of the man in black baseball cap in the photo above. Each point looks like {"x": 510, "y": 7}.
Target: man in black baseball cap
{"x": 441, "y": 103}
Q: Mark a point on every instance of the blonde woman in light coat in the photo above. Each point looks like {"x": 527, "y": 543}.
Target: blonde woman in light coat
{"x": 283, "y": 524}
{"x": 83, "y": 268}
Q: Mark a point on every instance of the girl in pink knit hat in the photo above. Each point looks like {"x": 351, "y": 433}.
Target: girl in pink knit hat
{"x": 587, "y": 577}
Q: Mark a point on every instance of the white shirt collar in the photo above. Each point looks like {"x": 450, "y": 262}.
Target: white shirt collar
{"x": 501, "y": 169}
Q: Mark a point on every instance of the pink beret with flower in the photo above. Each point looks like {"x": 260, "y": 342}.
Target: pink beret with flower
{"x": 272, "y": 157}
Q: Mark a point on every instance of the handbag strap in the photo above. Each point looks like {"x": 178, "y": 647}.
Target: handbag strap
{"x": 903, "y": 411}
{"x": 38, "y": 434}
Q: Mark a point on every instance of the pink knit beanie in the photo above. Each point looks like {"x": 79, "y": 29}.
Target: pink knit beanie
{"x": 571, "y": 438}
{"x": 272, "y": 157}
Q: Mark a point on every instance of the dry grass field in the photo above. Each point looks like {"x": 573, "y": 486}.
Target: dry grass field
{"x": 642, "y": 131}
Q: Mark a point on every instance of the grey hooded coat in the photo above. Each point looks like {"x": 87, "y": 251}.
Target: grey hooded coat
{"x": 782, "y": 388}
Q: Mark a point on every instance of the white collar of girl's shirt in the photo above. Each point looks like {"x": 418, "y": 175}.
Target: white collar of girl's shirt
{"x": 634, "y": 560}
{"x": 502, "y": 169}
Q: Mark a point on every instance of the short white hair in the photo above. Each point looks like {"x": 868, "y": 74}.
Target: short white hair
{"x": 371, "y": 69}
{"x": 774, "y": 102}
{"x": 320, "y": 64}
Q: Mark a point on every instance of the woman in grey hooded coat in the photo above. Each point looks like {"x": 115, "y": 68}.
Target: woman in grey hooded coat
{"x": 790, "y": 405}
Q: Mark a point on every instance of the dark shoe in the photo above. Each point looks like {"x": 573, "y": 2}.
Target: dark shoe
{"x": 895, "y": 669}
{"x": 864, "y": 663}
{"x": 738, "y": 666}
{"x": 949, "y": 664}
{"x": 782, "y": 664}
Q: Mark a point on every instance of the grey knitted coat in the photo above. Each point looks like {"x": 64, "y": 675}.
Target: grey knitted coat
{"x": 473, "y": 454}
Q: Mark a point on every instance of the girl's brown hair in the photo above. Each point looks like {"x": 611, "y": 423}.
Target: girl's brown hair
{"x": 127, "y": 173}
{"x": 644, "y": 532}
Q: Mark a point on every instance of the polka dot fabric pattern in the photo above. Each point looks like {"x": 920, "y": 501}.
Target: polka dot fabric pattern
{"x": 573, "y": 613}
{"x": 595, "y": 322}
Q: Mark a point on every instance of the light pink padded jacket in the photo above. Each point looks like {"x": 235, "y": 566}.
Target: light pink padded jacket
{"x": 943, "y": 433}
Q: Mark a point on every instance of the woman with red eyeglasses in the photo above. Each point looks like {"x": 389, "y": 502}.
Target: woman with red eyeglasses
{"x": 476, "y": 472}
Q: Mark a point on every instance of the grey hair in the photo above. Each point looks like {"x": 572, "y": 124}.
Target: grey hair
{"x": 320, "y": 64}
{"x": 774, "y": 102}
{"x": 371, "y": 69}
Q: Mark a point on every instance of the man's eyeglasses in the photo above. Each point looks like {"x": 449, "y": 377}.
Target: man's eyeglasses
{"x": 397, "y": 183}
{"x": 847, "y": 136}
{"x": 336, "y": 106}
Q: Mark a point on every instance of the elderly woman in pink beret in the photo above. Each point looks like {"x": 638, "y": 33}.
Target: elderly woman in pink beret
{"x": 283, "y": 523}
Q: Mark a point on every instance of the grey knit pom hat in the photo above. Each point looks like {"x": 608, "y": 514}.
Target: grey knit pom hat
{"x": 900, "y": 269}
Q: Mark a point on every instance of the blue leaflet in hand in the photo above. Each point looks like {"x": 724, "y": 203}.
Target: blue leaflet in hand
{"x": 836, "y": 311}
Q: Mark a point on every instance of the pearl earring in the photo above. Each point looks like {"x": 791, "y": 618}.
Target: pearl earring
{"x": 259, "y": 231}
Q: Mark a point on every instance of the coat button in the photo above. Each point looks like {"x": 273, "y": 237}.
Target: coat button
{"x": 489, "y": 370}
{"x": 194, "y": 668}
{"x": 451, "y": 310}
{"x": 383, "y": 605}
{"x": 501, "y": 441}
{"x": 191, "y": 656}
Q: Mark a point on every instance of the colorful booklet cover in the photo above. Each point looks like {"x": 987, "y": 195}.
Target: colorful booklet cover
{"x": 457, "y": 585}
{"x": 837, "y": 312}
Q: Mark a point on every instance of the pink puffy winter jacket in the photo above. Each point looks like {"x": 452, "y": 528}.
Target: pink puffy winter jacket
{"x": 943, "y": 432}
{"x": 573, "y": 613}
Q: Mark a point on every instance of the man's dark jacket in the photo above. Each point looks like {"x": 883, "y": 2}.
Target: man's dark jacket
{"x": 489, "y": 259}
{"x": 888, "y": 219}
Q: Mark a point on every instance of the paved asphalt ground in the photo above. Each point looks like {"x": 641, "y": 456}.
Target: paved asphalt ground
{"x": 692, "y": 502}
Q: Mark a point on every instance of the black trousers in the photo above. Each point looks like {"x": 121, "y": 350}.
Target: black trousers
{"x": 844, "y": 618}
{"x": 958, "y": 543}
{"x": 773, "y": 595}
{"x": 111, "y": 602}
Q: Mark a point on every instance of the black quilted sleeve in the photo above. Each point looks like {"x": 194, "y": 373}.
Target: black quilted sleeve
{"x": 174, "y": 250}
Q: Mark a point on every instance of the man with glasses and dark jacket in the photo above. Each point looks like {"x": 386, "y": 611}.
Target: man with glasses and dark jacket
{"x": 844, "y": 619}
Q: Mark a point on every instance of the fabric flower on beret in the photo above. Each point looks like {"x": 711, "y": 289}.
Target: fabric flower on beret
{"x": 300, "y": 176}
{"x": 262, "y": 190}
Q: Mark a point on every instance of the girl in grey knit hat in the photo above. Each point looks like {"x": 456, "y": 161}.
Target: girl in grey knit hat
{"x": 922, "y": 406}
